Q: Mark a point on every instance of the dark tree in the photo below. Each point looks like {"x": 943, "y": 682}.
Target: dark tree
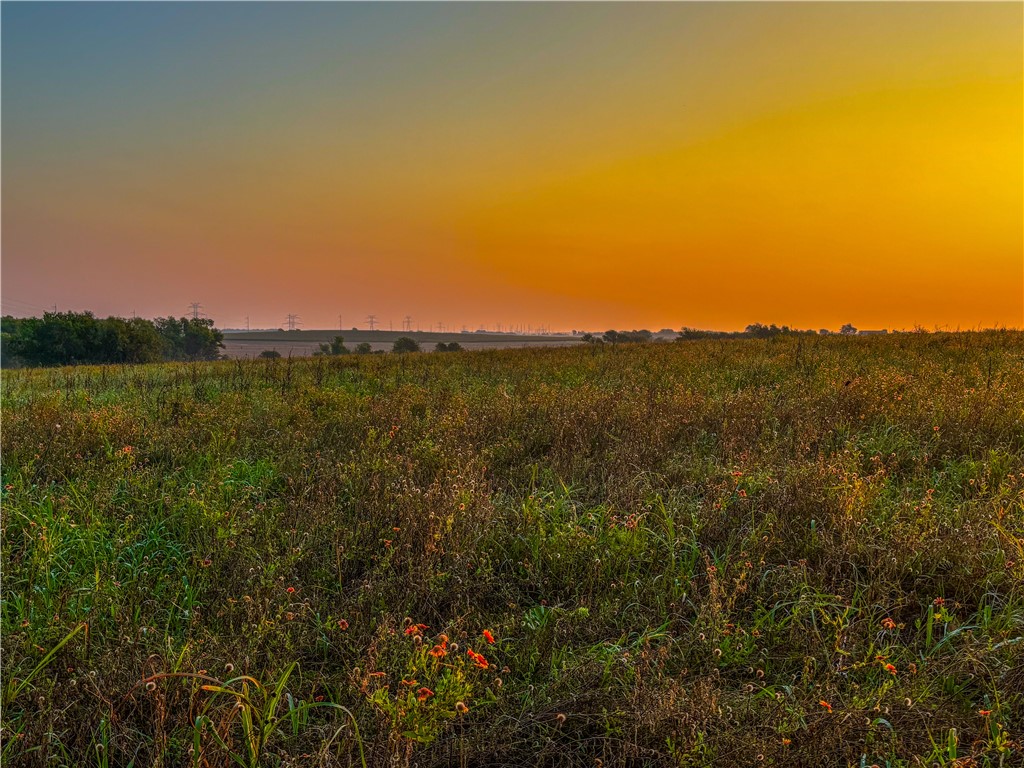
{"x": 405, "y": 344}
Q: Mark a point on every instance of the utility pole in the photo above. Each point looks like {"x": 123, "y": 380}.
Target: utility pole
{"x": 339, "y": 324}
{"x": 195, "y": 306}
{"x": 246, "y": 322}
{"x": 292, "y": 321}
{"x": 372, "y": 321}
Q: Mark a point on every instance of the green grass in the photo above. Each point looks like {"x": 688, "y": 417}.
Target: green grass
{"x": 688, "y": 554}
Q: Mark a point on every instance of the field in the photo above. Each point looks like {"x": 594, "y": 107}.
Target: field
{"x": 249, "y": 344}
{"x": 801, "y": 552}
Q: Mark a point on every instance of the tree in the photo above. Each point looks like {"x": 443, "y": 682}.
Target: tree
{"x": 336, "y": 347}
{"x": 451, "y": 347}
{"x": 848, "y": 330}
{"x": 364, "y": 348}
{"x": 405, "y": 344}
{"x": 190, "y": 338}
{"x": 270, "y": 354}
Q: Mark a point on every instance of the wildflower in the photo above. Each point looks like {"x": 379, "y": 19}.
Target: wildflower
{"x": 477, "y": 658}
{"x": 888, "y": 623}
{"x": 377, "y": 674}
{"x": 318, "y": 698}
{"x": 939, "y": 601}
{"x": 786, "y": 742}
{"x": 488, "y": 636}
{"x": 826, "y": 705}
{"x": 443, "y": 640}
{"x": 984, "y": 712}
{"x": 409, "y": 683}
{"x": 743, "y": 493}
{"x": 560, "y": 718}
{"x": 423, "y": 694}
{"x": 342, "y": 624}
{"x": 461, "y": 708}
{"x": 290, "y": 590}
{"x": 415, "y": 629}
{"x": 890, "y": 669}
{"x": 207, "y": 563}
{"x": 438, "y": 652}
{"x": 289, "y": 615}
{"x": 935, "y": 428}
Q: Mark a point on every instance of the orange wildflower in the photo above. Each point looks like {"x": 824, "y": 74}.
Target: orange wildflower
{"x": 888, "y": 623}
{"x": 488, "y": 636}
{"x": 890, "y": 669}
{"x": 290, "y": 590}
{"x": 984, "y": 712}
{"x": 423, "y": 694}
{"x": 415, "y": 629}
{"x": 410, "y": 683}
{"x": 478, "y": 659}
{"x": 342, "y": 624}
{"x": 438, "y": 652}
{"x": 826, "y": 705}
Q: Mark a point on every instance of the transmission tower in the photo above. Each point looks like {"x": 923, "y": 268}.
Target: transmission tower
{"x": 407, "y": 323}
{"x": 371, "y": 321}
{"x": 195, "y": 306}
{"x": 292, "y": 321}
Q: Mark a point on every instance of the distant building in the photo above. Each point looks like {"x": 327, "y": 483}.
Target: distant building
{"x": 882, "y": 332}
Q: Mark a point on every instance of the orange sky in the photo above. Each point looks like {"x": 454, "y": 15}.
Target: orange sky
{"x": 577, "y": 166}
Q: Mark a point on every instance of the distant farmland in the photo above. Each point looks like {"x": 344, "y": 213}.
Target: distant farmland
{"x": 249, "y": 344}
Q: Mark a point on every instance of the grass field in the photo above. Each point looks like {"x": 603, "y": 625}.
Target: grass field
{"x": 791, "y": 552}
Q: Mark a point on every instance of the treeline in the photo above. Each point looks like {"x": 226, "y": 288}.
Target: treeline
{"x": 753, "y": 331}
{"x": 80, "y": 338}
{"x": 619, "y": 337}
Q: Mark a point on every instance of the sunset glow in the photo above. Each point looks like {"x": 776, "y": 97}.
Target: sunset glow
{"x": 576, "y": 165}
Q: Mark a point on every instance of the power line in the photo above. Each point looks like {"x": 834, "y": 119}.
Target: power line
{"x": 292, "y": 321}
{"x": 372, "y": 321}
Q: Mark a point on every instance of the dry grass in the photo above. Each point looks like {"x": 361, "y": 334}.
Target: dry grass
{"x": 689, "y": 554}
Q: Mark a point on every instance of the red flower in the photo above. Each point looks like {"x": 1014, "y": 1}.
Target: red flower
{"x": 984, "y": 712}
{"x": 890, "y": 669}
{"x": 290, "y": 590}
{"x": 826, "y": 705}
{"x": 438, "y": 652}
{"x": 478, "y": 659}
{"x": 342, "y": 625}
{"x": 888, "y": 623}
{"x": 488, "y": 636}
{"x": 415, "y": 629}
{"x": 423, "y": 694}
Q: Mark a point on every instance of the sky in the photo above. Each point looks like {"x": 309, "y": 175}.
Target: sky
{"x": 573, "y": 166}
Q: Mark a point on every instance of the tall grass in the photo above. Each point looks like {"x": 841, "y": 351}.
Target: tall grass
{"x": 782, "y": 552}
